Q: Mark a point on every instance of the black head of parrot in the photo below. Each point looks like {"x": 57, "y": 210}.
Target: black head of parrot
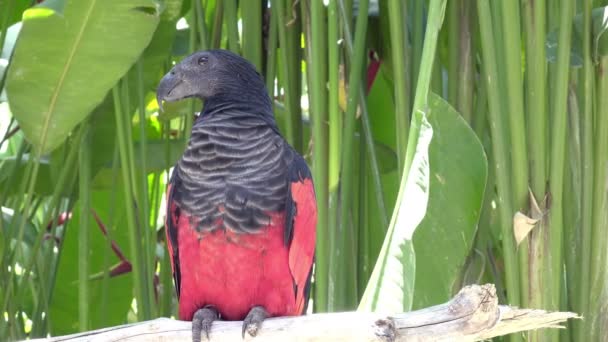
{"x": 214, "y": 76}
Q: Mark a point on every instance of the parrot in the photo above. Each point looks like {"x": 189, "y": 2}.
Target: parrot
{"x": 241, "y": 207}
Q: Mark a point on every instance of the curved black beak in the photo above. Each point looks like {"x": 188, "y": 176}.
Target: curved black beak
{"x": 171, "y": 88}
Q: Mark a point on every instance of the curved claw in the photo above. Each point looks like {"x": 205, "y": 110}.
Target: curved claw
{"x": 202, "y": 321}
{"x": 253, "y": 321}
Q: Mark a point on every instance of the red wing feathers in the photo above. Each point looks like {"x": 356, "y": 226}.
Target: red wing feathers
{"x": 302, "y": 247}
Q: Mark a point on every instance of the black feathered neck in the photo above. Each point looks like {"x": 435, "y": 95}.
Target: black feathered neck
{"x": 241, "y": 90}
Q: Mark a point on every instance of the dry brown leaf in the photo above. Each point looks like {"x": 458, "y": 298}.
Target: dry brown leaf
{"x": 522, "y": 225}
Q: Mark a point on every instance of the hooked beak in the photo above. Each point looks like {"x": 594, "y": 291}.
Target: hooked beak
{"x": 171, "y": 88}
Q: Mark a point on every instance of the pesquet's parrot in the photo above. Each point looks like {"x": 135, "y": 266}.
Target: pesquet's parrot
{"x": 241, "y": 209}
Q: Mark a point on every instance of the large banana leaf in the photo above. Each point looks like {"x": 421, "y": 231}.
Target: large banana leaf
{"x": 444, "y": 238}
{"x": 55, "y": 82}
{"x": 391, "y": 285}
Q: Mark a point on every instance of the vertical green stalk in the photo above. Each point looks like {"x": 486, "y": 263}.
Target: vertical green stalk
{"x": 271, "y": 56}
{"x": 139, "y": 277}
{"x": 465, "y": 77}
{"x": 599, "y": 242}
{"x": 317, "y": 72}
{"x": 201, "y": 27}
{"x": 335, "y": 128}
{"x": 397, "y": 17}
{"x": 536, "y": 83}
{"x": 191, "y": 48}
{"x": 354, "y": 81}
{"x": 216, "y": 31}
{"x": 587, "y": 179}
{"x": 350, "y": 251}
{"x": 453, "y": 32}
{"x": 517, "y": 128}
{"x": 231, "y": 21}
{"x": 417, "y": 39}
{"x": 149, "y": 243}
{"x": 290, "y": 64}
{"x": 558, "y": 151}
{"x": 499, "y": 147}
{"x": 84, "y": 185}
{"x": 251, "y": 11}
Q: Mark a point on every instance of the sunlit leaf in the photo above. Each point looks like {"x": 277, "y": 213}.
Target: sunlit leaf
{"x": 64, "y": 63}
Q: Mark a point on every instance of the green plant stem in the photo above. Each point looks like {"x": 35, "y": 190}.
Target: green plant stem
{"x": 417, "y": 40}
{"x": 558, "y": 153}
{"x": 271, "y": 56}
{"x": 139, "y": 277}
{"x": 499, "y": 147}
{"x": 317, "y": 71}
{"x": 231, "y": 19}
{"x": 335, "y": 135}
{"x": 216, "y": 32}
{"x": 437, "y": 8}
{"x": 369, "y": 138}
{"x": 62, "y": 181}
{"x": 587, "y": 179}
{"x": 201, "y": 27}
{"x": 517, "y": 128}
{"x": 84, "y": 180}
{"x": 149, "y": 243}
{"x": 251, "y": 12}
{"x": 291, "y": 96}
{"x": 599, "y": 242}
{"x": 465, "y": 78}
{"x": 354, "y": 80}
{"x": 453, "y": 33}
{"x": 373, "y": 160}
{"x": 397, "y": 17}
{"x": 536, "y": 83}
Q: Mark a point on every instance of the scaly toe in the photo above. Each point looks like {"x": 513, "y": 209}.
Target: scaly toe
{"x": 253, "y": 321}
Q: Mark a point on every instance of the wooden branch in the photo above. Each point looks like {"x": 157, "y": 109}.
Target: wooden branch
{"x": 472, "y": 315}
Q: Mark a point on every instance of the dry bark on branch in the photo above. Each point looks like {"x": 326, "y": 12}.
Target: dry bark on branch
{"x": 472, "y": 315}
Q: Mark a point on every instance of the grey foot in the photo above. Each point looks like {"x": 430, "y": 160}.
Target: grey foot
{"x": 201, "y": 322}
{"x": 253, "y": 321}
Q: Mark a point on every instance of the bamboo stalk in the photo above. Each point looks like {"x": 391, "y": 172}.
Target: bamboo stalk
{"x": 499, "y": 148}
{"x": 335, "y": 137}
{"x": 452, "y": 27}
{"x": 417, "y": 40}
{"x": 251, "y": 13}
{"x": 231, "y": 19}
{"x": 397, "y": 17}
{"x": 357, "y": 60}
{"x": 317, "y": 73}
{"x": 599, "y": 243}
{"x": 465, "y": 79}
{"x": 558, "y": 151}
{"x": 278, "y": 11}
{"x": 138, "y": 276}
{"x": 84, "y": 186}
{"x": 587, "y": 179}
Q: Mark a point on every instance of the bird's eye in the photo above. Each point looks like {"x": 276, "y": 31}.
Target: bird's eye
{"x": 202, "y": 60}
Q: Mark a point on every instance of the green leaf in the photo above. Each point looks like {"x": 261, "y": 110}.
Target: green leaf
{"x": 112, "y": 310}
{"x": 55, "y": 82}
{"x": 391, "y": 286}
{"x": 6, "y": 51}
{"x": 599, "y": 39}
{"x": 155, "y": 54}
{"x": 458, "y": 173}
